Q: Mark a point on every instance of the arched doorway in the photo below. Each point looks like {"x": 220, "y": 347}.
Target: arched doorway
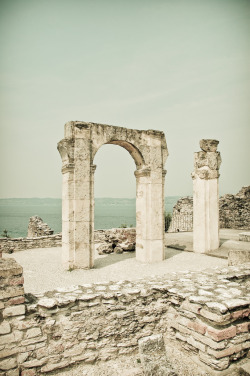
{"x": 77, "y": 149}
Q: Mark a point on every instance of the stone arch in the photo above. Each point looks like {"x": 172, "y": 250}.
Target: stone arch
{"x": 77, "y": 149}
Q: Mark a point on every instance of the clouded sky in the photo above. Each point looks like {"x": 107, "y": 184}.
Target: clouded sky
{"x": 182, "y": 67}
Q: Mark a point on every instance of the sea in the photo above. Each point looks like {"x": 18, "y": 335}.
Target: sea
{"x": 109, "y": 213}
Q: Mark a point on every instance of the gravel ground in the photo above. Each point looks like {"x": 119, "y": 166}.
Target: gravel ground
{"x": 43, "y": 270}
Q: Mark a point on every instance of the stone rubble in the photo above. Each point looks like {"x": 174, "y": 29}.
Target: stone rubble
{"x": 153, "y": 356}
{"x": 208, "y": 312}
{"x": 118, "y": 240}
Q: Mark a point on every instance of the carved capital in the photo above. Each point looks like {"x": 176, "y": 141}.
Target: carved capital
{"x": 142, "y": 172}
{"x": 207, "y": 162}
{"x": 68, "y": 168}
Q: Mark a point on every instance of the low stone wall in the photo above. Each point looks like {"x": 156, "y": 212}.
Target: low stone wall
{"x": 10, "y": 245}
{"x": 207, "y": 311}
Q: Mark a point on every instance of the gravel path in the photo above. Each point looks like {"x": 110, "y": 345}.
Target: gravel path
{"x": 43, "y": 270}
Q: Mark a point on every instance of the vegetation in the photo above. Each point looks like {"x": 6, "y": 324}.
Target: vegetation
{"x": 168, "y": 218}
{"x": 5, "y": 234}
{"x": 123, "y": 225}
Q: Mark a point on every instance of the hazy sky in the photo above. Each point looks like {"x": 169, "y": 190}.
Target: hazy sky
{"x": 182, "y": 67}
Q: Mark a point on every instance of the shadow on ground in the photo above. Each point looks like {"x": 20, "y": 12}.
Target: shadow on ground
{"x": 103, "y": 261}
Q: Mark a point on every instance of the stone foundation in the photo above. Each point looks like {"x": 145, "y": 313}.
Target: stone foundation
{"x": 206, "y": 311}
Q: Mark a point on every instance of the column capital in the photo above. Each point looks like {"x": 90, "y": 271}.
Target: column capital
{"x": 142, "y": 172}
{"x": 69, "y": 167}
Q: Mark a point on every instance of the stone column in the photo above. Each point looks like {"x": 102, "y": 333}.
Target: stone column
{"x": 149, "y": 216}
{"x": 83, "y": 203}
{"x": 65, "y": 148}
{"x": 206, "y": 197}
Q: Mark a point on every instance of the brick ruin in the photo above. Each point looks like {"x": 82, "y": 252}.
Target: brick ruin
{"x": 234, "y": 212}
{"x": 206, "y": 312}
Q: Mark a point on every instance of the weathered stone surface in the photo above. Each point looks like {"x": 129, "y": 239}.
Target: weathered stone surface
{"x": 244, "y": 236}
{"x": 103, "y": 320}
{"x": 244, "y": 370}
{"x": 234, "y": 212}
{"x": 105, "y": 248}
{"x": 5, "y": 327}
{"x": 78, "y": 148}
{"x": 208, "y": 145}
{"x": 236, "y": 256}
{"x": 206, "y": 197}
{"x": 153, "y": 356}
{"x": 38, "y": 228}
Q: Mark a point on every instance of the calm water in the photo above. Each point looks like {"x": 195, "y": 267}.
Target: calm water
{"x": 109, "y": 213}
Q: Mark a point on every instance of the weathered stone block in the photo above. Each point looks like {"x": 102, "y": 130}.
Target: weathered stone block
{"x": 8, "y": 364}
{"x": 153, "y": 356}
{"x": 219, "y": 335}
{"x": 14, "y": 311}
{"x": 236, "y": 257}
{"x": 5, "y": 327}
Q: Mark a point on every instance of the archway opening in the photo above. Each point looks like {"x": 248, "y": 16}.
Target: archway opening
{"x": 115, "y": 188}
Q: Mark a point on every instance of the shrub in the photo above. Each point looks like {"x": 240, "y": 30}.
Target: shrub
{"x": 168, "y": 218}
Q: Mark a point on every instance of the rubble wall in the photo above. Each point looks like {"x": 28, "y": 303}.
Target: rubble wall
{"x": 206, "y": 311}
{"x": 234, "y": 212}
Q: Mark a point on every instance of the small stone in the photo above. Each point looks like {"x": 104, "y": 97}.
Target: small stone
{"x": 5, "y": 328}
{"x": 153, "y": 356}
{"x": 46, "y": 302}
{"x": 118, "y": 250}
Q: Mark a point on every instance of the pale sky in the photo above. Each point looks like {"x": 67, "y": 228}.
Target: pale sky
{"x": 182, "y": 67}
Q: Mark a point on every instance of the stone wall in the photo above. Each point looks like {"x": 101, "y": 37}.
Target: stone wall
{"x": 206, "y": 311}
{"x": 234, "y": 212}
{"x": 37, "y": 227}
{"x": 182, "y": 218}
{"x": 10, "y": 245}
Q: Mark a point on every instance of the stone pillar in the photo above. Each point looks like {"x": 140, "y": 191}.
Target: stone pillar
{"x": 149, "y": 216}
{"x": 68, "y": 238}
{"x": 206, "y": 197}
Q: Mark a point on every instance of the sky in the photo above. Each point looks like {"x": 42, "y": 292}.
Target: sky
{"x": 182, "y": 67}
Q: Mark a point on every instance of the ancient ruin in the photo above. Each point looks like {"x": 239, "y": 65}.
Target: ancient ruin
{"x": 78, "y": 148}
{"x": 38, "y": 228}
{"x": 234, "y": 212}
{"x": 206, "y": 197}
{"x": 204, "y": 312}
